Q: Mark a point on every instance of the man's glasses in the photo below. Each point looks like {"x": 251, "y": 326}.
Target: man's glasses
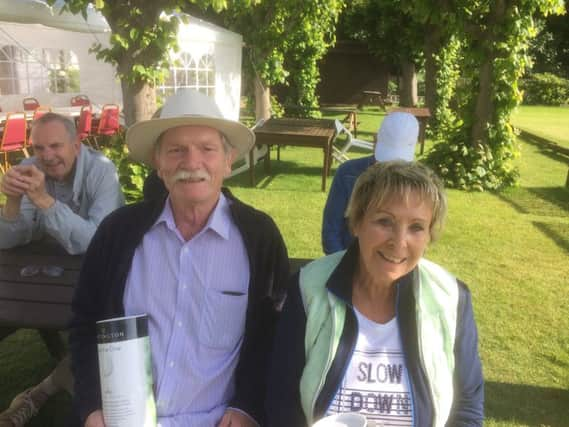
{"x": 48, "y": 270}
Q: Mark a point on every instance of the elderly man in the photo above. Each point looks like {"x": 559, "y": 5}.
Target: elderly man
{"x": 63, "y": 192}
{"x": 396, "y": 140}
{"x": 206, "y": 269}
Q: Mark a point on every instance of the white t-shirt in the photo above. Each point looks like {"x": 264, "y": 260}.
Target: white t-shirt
{"x": 376, "y": 383}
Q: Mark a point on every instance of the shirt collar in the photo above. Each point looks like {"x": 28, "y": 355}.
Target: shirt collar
{"x": 219, "y": 220}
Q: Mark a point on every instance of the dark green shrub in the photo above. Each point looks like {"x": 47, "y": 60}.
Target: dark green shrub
{"x": 131, "y": 174}
{"x": 545, "y": 89}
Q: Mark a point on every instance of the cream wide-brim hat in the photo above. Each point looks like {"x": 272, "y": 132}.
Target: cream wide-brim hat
{"x": 187, "y": 107}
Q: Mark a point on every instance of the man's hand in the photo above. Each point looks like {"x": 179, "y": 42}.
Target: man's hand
{"x": 15, "y": 182}
{"x": 14, "y": 185}
{"x": 95, "y": 419}
{"x": 233, "y": 418}
{"x": 36, "y": 191}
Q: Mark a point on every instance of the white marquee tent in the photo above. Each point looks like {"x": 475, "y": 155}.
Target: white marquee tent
{"x": 45, "y": 54}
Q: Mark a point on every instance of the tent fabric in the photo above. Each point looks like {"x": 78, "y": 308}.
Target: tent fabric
{"x": 32, "y": 24}
{"x": 96, "y": 78}
{"x": 38, "y": 12}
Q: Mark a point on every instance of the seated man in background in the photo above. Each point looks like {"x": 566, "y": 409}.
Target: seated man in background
{"x": 64, "y": 191}
{"x": 396, "y": 140}
{"x": 208, "y": 271}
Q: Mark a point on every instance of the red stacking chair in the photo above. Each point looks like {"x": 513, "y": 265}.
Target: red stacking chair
{"x": 80, "y": 101}
{"x": 108, "y": 123}
{"x": 84, "y": 124}
{"x": 30, "y": 104}
{"x": 13, "y": 138}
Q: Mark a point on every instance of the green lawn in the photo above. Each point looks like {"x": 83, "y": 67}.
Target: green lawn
{"x": 510, "y": 247}
{"x": 548, "y": 122}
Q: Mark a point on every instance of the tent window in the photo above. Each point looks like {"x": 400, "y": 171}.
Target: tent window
{"x": 63, "y": 70}
{"x": 188, "y": 72}
{"x": 27, "y": 71}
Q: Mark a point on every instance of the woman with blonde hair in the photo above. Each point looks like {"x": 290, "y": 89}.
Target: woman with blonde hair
{"x": 378, "y": 329}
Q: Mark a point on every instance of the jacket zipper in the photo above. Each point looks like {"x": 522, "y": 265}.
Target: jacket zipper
{"x": 411, "y": 388}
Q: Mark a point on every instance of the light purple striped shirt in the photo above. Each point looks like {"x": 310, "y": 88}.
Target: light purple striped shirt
{"x": 195, "y": 295}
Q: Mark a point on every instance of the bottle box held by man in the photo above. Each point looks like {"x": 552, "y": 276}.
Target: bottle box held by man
{"x": 125, "y": 369}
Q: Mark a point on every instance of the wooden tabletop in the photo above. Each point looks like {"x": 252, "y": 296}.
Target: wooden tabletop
{"x": 316, "y": 133}
{"x": 297, "y": 127}
{"x": 38, "y": 301}
{"x": 420, "y": 113}
{"x": 41, "y": 301}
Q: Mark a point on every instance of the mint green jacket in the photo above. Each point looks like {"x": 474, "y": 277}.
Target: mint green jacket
{"x": 318, "y": 331}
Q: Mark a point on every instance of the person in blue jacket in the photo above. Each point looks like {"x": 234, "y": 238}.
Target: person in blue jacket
{"x": 378, "y": 329}
{"x": 396, "y": 139}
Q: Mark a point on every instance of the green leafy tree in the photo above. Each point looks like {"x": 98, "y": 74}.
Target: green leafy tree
{"x": 494, "y": 35}
{"x": 438, "y": 26}
{"x": 390, "y": 33}
{"x": 141, "y": 38}
{"x": 284, "y": 40}
{"x": 550, "y": 49}
{"x": 299, "y": 31}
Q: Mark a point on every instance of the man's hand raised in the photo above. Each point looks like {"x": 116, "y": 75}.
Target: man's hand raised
{"x": 36, "y": 191}
{"x": 15, "y": 181}
{"x": 14, "y": 185}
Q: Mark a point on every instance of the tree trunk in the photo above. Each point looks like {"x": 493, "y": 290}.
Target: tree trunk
{"x": 139, "y": 101}
{"x": 484, "y": 105}
{"x": 431, "y": 48}
{"x": 484, "y": 109}
{"x": 408, "y": 88}
{"x": 262, "y": 100}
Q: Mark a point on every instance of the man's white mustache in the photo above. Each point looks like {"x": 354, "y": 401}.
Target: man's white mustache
{"x": 182, "y": 175}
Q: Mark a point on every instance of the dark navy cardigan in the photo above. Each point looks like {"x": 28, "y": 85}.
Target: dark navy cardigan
{"x": 283, "y": 401}
{"x": 99, "y": 295}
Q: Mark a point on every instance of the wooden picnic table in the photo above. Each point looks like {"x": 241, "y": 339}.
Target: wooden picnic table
{"x": 40, "y": 301}
{"x": 422, "y": 115}
{"x": 317, "y": 133}
{"x": 37, "y": 301}
{"x": 373, "y": 97}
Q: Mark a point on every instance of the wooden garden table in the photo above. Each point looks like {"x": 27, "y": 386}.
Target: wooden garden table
{"x": 317, "y": 133}
{"x": 422, "y": 115}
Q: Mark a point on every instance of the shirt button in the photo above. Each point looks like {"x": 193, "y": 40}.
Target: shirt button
{"x": 171, "y": 364}
{"x": 180, "y": 324}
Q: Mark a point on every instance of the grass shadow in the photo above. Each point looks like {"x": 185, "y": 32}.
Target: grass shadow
{"x": 278, "y": 167}
{"x": 558, "y": 232}
{"x": 542, "y": 201}
{"x": 546, "y": 147}
{"x": 526, "y": 404}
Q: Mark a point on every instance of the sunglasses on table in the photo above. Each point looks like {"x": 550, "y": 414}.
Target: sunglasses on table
{"x": 47, "y": 270}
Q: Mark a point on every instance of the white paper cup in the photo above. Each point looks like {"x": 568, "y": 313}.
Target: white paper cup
{"x": 346, "y": 419}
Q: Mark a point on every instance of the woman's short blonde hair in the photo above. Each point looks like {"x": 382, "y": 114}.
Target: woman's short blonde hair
{"x": 382, "y": 182}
